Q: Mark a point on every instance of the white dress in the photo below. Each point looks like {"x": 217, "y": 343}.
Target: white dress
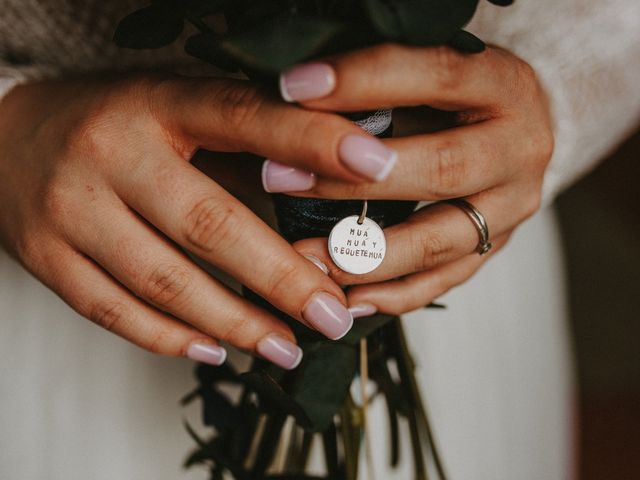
{"x": 496, "y": 367}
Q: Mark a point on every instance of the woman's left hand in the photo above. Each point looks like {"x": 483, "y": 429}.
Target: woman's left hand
{"x": 495, "y": 158}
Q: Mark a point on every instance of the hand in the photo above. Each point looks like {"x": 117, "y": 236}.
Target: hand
{"x": 495, "y": 158}
{"x": 97, "y": 195}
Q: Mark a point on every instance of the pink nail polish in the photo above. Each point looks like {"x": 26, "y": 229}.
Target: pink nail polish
{"x": 277, "y": 177}
{"x": 318, "y": 263}
{"x": 327, "y": 315}
{"x": 363, "y": 310}
{"x": 280, "y": 351}
{"x": 207, "y": 353}
{"x": 367, "y": 156}
{"x": 307, "y": 82}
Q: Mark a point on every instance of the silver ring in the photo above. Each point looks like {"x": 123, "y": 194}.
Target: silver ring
{"x": 484, "y": 245}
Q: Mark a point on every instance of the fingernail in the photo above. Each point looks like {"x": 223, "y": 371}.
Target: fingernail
{"x": 363, "y": 310}
{"x": 280, "y": 351}
{"x": 327, "y": 315}
{"x": 277, "y": 177}
{"x": 318, "y": 263}
{"x": 207, "y": 353}
{"x": 367, "y": 156}
{"x": 307, "y": 81}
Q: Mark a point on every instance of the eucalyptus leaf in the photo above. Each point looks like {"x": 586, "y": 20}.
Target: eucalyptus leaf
{"x": 217, "y": 410}
{"x": 467, "y": 42}
{"x": 206, "y": 46}
{"x": 322, "y": 381}
{"x": 274, "y": 398}
{"x": 284, "y": 41}
{"x": 420, "y": 22}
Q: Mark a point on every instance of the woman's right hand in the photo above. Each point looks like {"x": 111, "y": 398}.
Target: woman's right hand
{"x": 97, "y": 194}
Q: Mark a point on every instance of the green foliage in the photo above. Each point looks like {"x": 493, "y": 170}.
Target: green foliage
{"x": 267, "y": 36}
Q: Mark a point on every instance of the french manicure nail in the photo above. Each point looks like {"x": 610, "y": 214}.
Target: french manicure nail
{"x": 367, "y": 156}
{"x": 280, "y": 351}
{"x": 277, "y": 177}
{"x": 307, "y": 82}
{"x": 327, "y": 315}
{"x": 207, "y": 353}
{"x": 317, "y": 262}
{"x": 363, "y": 310}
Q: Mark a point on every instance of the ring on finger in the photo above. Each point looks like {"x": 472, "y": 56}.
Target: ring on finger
{"x": 478, "y": 220}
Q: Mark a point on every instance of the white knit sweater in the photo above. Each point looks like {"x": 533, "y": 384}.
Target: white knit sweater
{"x": 586, "y": 54}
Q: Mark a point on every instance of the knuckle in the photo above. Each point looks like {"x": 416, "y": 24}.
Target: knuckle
{"x": 212, "y": 223}
{"x": 447, "y": 169}
{"x": 168, "y": 285}
{"x": 109, "y": 315}
{"x": 236, "y": 332}
{"x": 162, "y": 343}
{"x": 429, "y": 249}
{"x": 239, "y": 103}
{"x": 318, "y": 137}
{"x": 449, "y": 68}
{"x": 282, "y": 281}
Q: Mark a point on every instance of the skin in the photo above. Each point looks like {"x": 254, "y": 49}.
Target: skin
{"x": 97, "y": 193}
{"x": 97, "y": 190}
{"x": 495, "y": 157}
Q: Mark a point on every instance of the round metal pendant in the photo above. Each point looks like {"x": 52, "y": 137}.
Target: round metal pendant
{"x": 357, "y": 248}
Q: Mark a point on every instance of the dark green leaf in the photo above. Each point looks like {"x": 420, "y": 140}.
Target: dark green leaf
{"x": 467, "y": 42}
{"x": 435, "y": 305}
{"x": 202, "y": 8}
{"x": 272, "y": 397}
{"x": 206, "y": 46}
{"x": 420, "y": 22}
{"x": 502, "y": 3}
{"x": 150, "y": 27}
{"x": 210, "y": 375}
{"x": 217, "y": 410}
{"x": 322, "y": 381}
{"x": 274, "y": 46}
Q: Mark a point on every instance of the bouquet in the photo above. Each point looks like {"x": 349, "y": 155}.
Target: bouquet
{"x": 267, "y": 432}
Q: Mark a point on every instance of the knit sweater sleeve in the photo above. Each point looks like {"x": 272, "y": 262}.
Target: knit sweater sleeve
{"x": 587, "y": 57}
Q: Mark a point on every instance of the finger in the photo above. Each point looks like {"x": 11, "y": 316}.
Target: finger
{"x": 95, "y": 295}
{"x": 432, "y": 236}
{"x": 419, "y": 289}
{"x": 451, "y": 163}
{"x": 157, "y": 272}
{"x": 227, "y": 115}
{"x": 391, "y": 75}
{"x": 202, "y": 217}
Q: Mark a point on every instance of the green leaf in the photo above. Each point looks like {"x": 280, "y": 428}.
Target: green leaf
{"x": 322, "y": 381}
{"x": 206, "y": 46}
{"x": 273, "y": 397}
{"x": 151, "y": 27}
{"x": 272, "y": 47}
{"x": 420, "y": 22}
{"x": 202, "y": 8}
{"x": 435, "y": 305}
{"x": 467, "y": 42}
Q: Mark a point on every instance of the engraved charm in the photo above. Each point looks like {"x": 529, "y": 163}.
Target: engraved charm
{"x": 357, "y": 248}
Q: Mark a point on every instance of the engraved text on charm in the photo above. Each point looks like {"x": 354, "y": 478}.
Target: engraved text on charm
{"x": 357, "y": 248}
